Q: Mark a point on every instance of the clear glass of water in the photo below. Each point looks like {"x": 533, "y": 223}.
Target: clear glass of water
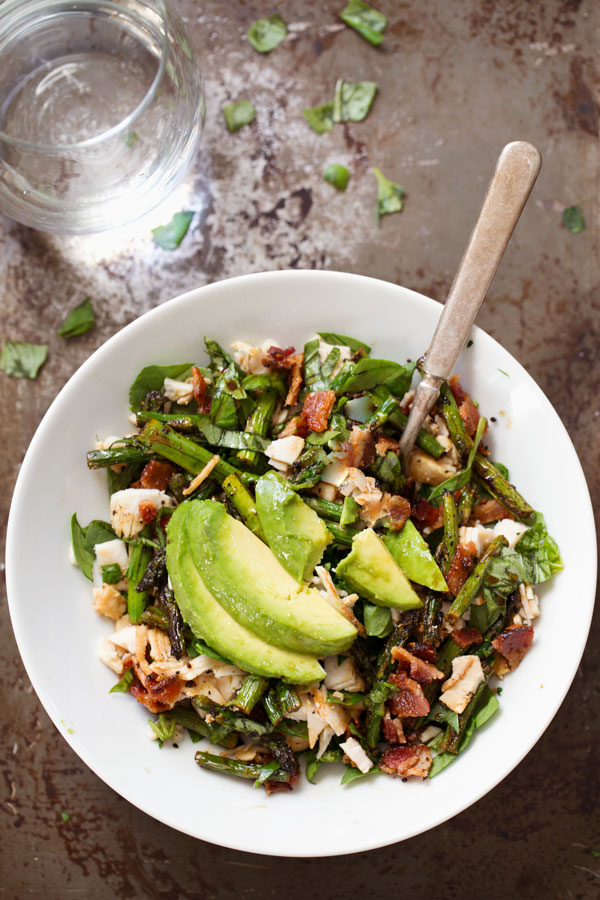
{"x": 101, "y": 110}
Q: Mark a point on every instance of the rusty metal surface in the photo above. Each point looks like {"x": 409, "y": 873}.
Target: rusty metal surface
{"x": 457, "y": 80}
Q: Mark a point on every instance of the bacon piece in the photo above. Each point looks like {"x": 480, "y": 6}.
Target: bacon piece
{"x": 199, "y": 390}
{"x": 413, "y": 759}
{"x": 398, "y": 509}
{"x": 295, "y": 426}
{"x": 424, "y": 515}
{"x": 148, "y": 512}
{"x": 467, "y": 409}
{"x": 410, "y": 699}
{"x": 461, "y": 567}
{"x": 490, "y": 511}
{"x": 295, "y": 381}
{"x": 287, "y": 360}
{"x": 424, "y": 650}
{"x": 417, "y": 668}
{"x": 464, "y": 637}
{"x": 383, "y": 444}
{"x": 513, "y": 643}
{"x": 393, "y": 731}
{"x": 156, "y": 474}
{"x": 359, "y": 450}
{"x": 317, "y": 409}
{"x": 274, "y": 787}
{"x": 277, "y": 358}
{"x": 155, "y": 693}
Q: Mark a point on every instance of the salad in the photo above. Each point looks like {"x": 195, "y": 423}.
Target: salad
{"x": 280, "y": 588}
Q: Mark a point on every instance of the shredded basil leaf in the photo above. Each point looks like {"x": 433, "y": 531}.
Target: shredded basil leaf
{"x": 267, "y": 34}
{"x": 572, "y": 219}
{"x": 368, "y": 22}
{"x": 162, "y": 728}
{"x": 83, "y": 557}
{"x": 369, "y": 373}
{"x": 353, "y": 774}
{"x": 239, "y": 114}
{"x": 111, "y": 574}
{"x": 342, "y": 340}
{"x": 79, "y": 320}
{"x": 320, "y": 118}
{"x": 152, "y": 378}
{"x": 389, "y": 195}
{"x": 22, "y": 360}
{"x": 352, "y": 102}
{"x": 337, "y": 175}
{"x": 169, "y": 237}
{"x": 122, "y": 686}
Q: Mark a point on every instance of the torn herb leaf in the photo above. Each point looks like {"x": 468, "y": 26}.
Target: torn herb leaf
{"x": 22, "y": 360}
{"x": 79, "y": 320}
{"x": 320, "y": 118}
{"x": 337, "y": 175}
{"x": 368, "y": 22}
{"x": 377, "y": 620}
{"x": 238, "y": 114}
{"x": 162, "y": 728}
{"x": 342, "y": 340}
{"x": 352, "y": 102}
{"x": 83, "y": 557}
{"x": 111, "y": 574}
{"x": 65, "y": 816}
{"x": 353, "y": 774}
{"x": 389, "y": 195}
{"x": 169, "y": 237}
{"x": 572, "y": 219}
{"x": 369, "y": 373}
{"x": 267, "y": 34}
{"x": 152, "y": 378}
{"x": 122, "y": 686}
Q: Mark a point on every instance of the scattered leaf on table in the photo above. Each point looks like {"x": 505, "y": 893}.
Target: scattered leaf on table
{"x": 320, "y": 118}
{"x": 337, "y": 175}
{"x": 368, "y": 22}
{"x": 170, "y": 236}
{"x": 389, "y": 195}
{"x": 79, "y": 320}
{"x": 238, "y": 114}
{"x": 352, "y": 102}
{"x": 267, "y": 34}
{"x": 572, "y": 219}
{"x": 22, "y": 360}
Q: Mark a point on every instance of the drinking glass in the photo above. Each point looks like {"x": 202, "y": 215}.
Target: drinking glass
{"x": 101, "y": 110}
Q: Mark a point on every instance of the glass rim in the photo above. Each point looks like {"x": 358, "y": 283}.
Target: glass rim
{"x": 114, "y": 129}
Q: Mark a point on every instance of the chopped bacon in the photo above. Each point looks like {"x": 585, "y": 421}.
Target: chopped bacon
{"x": 317, "y": 409}
{"x": 398, "y": 509}
{"x": 424, "y": 515}
{"x": 413, "y": 759}
{"x": 277, "y": 358}
{"x": 464, "y": 637}
{"x": 467, "y": 409}
{"x": 383, "y": 444}
{"x": 274, "y": 787}
{"x": 461, "y": 567}
{"x": 359, "y": 449}
{"x": 410, "y": 699}
{"x": 513, "y": 643}
{"x": 148, "y": 512}
{"x": 393, "y": 731}
{"x": 155, "y": 693}
{"x": 421, "y": 671}
{"x": 424, "y": 650}
{"x": 296, "y": 380}
{"x": 156, "y": 475}
{"x": 295, "y": 426}
{"x": 490, "y": 511}
{"x": 199, "y": 389}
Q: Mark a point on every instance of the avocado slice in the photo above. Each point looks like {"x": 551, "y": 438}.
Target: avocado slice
{"x": 244, "y": 575}
{"x": 412, "y": 554}
{"x": 371, "y": 570}
{"x": 209, "y": 621}
{"x": 293, "y": 530}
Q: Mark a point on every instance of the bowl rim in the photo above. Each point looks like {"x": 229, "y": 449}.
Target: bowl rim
{"x": 165, "y": 309}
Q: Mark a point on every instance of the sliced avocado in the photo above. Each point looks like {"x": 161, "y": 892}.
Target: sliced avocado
{"x": 209, "y": 621}
{"x": 293, "y": 530}
{"x": 371, "y": 570}
{"x": 244, "y": 575}
{"x": 412, "y": 554}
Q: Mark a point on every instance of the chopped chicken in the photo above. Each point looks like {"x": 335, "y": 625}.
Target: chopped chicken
{"x": 333, "y": 714}
{"x": 285, "y": 451}
{"x": 109, "y": 602}
{"x": 332, "y": 596}
{"x": 178, "y": 391}
{"x": 529, "y": 604}
{"x": 477, "y": 535}
{"x": 130, "y": 509}
{"x": 426, "y": 469}
{"x": 510, "y": 529}
{"x": 356, "y": 755}
{"x": 467, "y": 675}
{"x": 112, "y": 553}
{"x": 111, "y": 441}
{"x": 250, "y": 358}
{"x": 324, "y": 740}
{"x": 429, "y": 733}
{"x": 335, "y": 473}
{"x": 110, "y": 656}
{"x": 342, "y": 676}
{"x": 325, "y": 491}
{"x": 325, "y": 349}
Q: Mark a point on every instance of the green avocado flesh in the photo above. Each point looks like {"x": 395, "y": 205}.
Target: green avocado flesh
{"x": 293, "y": 530}
{"x": 246, "y": 578}
{"x": 371, "y": 570}
{"x": 412, "y": 554}
{"x": 209, "y": 621}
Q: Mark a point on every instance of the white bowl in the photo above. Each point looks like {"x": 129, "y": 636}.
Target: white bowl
{"x": 57, "y": 630}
